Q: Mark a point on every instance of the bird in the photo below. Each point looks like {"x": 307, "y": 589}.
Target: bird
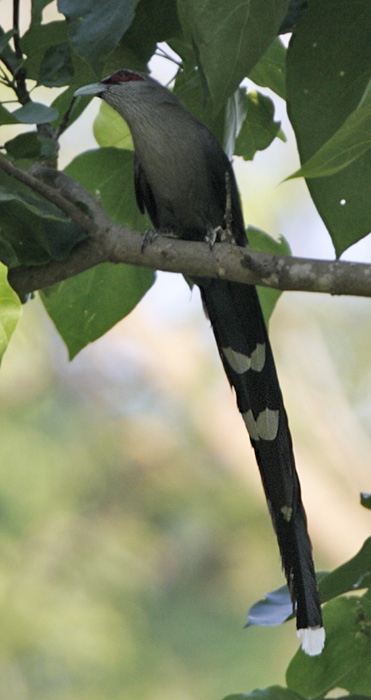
{"x": 185, "y": 181}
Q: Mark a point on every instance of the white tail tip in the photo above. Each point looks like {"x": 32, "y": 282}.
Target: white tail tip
{"x": 312, "y": 640}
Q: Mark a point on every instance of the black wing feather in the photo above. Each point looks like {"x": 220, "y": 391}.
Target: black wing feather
{"x": 143, "y": 193}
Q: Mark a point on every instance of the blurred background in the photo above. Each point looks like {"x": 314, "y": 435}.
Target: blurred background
{"x": 134, "y": 534}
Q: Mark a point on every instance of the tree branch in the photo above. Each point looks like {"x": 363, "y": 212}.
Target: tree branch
{"x": 50, "y": 193}
{"x": 109, "y": 242}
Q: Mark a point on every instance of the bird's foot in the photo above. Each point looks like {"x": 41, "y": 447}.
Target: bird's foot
{"x": 150, "y": 236}
{"x": 214, "y": 235}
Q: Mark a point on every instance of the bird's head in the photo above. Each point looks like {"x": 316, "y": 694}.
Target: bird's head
{"x": 116, "y": 84}
{"x": 129, "y": 92}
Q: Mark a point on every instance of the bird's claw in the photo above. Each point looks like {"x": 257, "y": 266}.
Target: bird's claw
{"x": 148, "y": 238}
{"x": 213, "y": 235}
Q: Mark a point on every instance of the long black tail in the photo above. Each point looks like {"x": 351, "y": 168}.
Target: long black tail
{"x": 242, "y": 339}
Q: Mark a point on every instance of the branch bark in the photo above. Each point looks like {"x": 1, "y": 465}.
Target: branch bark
{"x": 109, "y": 242}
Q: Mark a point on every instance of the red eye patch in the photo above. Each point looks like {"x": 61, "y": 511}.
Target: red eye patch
{"x": 121, "y": 76}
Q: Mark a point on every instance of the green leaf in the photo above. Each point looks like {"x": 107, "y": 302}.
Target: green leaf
{"x": 248, "y": 117}
{"x": 85, "y": 307}
{"x": 24, "y": 146}
{"x": 328, "y": 74}
{"x": 110, "y": 129}
{"x": 355, "y": 574}
{"x": 62, "y": 103}
{"x": 351, "y": 141}
{"x": 227, "y": 123}
{"x": 96, "y": 28}
{"x": 35, "y": 113}
{"x": 10, "y": 310}
{"x": 7, "y": 53}
{"x": 259, "y": 128}
{"x": 37, "y": 8}
{"x": 31, "y": 145}
{"x": 235, "y": 115}
{"x": 226, "y": 39}
{"x": 108, "y": 174}
{"x": 154, "y": 21}
{"x": 274, "y": 692}
{"x": 56, "y": 68}
{"x": 83, "y": 75}
{"x": 270, "y": 71}
{"x": 5, "y": 38}
{"x": 259, "y": 240}
{"x": 274, "y": 609}
{"x": 345, "y": 660}
{"x": 189, "y": 89}
{"x": 7, "y": 117}
{"x": 46, "y": 61}
{"x": 32, "y": 231}
{"x": 38, "y": 40}
{"x": 123, "y": 55}
{"x": 366, "y": 500}
{"x": 294, "y": 12}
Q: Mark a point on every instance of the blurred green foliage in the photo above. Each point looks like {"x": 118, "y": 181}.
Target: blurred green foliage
{"x": 129, "y": 556}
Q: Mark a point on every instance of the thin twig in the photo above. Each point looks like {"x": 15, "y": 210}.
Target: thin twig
{"x": 65, "y": 119}
{"x": 18, "y": 50}
{"x": 19, "y": 73}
